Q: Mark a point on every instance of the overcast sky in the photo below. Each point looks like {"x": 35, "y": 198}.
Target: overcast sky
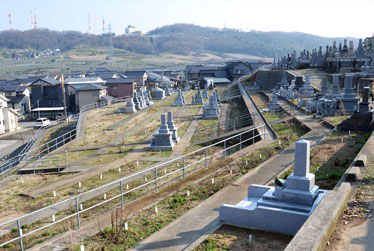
{"x": 331, "y": 18}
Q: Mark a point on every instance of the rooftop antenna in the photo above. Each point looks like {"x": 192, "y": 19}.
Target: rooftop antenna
{"x": 89, "y": 23}
{"x": 10, "y": 22}
{"x": 35, "y": 23}
{"x": 103, "y": 25}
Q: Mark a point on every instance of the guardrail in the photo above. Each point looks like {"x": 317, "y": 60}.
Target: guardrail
{"x": 178, "y": 168}
{"x": 38, "y": 152}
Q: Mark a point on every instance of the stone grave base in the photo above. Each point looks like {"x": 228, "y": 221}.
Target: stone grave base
{"x": 263, "y": 213}
{"x": 159, "y": 148}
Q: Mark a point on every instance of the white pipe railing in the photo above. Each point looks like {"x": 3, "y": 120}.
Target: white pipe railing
{"x": 74, "y": 201}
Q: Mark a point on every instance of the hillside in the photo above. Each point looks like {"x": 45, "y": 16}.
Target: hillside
{"x": 176, "y": 38}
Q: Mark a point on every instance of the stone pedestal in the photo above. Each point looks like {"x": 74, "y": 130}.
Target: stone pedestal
{"x": 130, "y": 106}
{"x": 172, "y": 128}
{"x": 349, "y": 101}
{"x": 273, "y": 104}
{"x": 283, "y": 208}
{"x": 335, "y": 88}
{"x": 163, "y": 139}
{"x": 179, "y": 100}
{"x": 211, "y": 111}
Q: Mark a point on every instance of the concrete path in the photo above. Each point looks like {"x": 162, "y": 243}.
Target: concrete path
{"x": 189, "y": 230}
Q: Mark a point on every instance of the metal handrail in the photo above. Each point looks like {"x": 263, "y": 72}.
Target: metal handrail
{"x": 75, "y": 199}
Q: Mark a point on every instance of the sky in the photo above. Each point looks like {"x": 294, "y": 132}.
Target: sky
{"x": 328, "y": 18}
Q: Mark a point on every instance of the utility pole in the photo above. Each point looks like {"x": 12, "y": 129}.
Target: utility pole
{"x": 63, "y": 97}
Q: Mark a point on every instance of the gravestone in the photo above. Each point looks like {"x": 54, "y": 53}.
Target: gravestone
{"x": 140, "y": 101}
{"x": 283, "y": 208}
{"x": 311, "y": 106}
{"x": 364, "y": 105}
{"x": 179, "y": 100}
{"x": 136, "y": 101}
{"x": 273, "y": 104}
{"x": 130, "y": 106}
{"x": 144, "y": 102}
{"x": 172, "y": 128}
{"x": 324, "y": 87}
{"x": 205, "y": 92}
{"x": 162, "y": 140}
{"x": 211, "y": 110}
{"x": 307, "y": 90}
{"x": 198, "y": 98}
{"x": 298, "y": 82}
{"x": 217, "y": 97}
{"x": 349, "y": 101}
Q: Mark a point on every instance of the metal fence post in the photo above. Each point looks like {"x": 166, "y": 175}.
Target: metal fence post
{"x": 183, "y": 167}
{"x": 121, "y": 188}
{"x": 77, "y": 207}
{"x": 20, "y": 234}
{"x": 263, "y": 128}
{"x": 224, "y": 149}
{"x": 56, "y": 143}
{"x": 156, "y": 186}
{"x": 240, "y": 142}
{"x": 206, "y": 160}
{"x": 63, "y": 138}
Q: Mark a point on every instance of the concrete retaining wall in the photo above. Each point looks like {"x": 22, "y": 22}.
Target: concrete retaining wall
{"x": 268, "y": 79}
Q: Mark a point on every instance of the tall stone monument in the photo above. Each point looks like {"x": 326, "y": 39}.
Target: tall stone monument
{"x": 136, "y": 101}
{"x": 179, "y": 100}
{"x": 349, "y": 101}
{"x": 211, "y": 110}
{"x": 172, "y": 128}
{"x": 163, "y": 139}
{"x": 283, "y": 208}
{"x": 205, "y": 92}
{"x": 130, "y": 106}
{"x": 273, "y": 104}
{"x": 307, "y": 90}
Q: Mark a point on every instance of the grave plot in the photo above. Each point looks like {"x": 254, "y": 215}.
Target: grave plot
{"x": 333, "y": 155}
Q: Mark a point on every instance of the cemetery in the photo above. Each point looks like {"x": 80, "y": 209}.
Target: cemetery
{"x": 150, "y": 160}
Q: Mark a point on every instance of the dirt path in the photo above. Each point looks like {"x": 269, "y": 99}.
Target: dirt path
{"x": 355, "y": 229}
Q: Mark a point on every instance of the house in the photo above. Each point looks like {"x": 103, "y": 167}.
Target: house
{"x": 211, "y": 82}
{"x": 238, "y": 69}
{"x": 8, "y": 116}
{"x": 76, "y": 74}
{"x": 121, "y": 87}
{"x": 19, "y": 97}
{"x": 87, "y": 93}
{"x": 46, "y": 98}
{"x": 140, "y": 78}
{"x": 162, "y": 81}
{"x": 88, "y": 80}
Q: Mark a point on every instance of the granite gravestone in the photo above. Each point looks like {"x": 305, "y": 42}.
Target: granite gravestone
{"x": 162, "y": 140}
{"x": 283, "y": 208}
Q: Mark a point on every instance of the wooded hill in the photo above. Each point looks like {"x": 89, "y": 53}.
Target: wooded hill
{"x": 176, "y": 38}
